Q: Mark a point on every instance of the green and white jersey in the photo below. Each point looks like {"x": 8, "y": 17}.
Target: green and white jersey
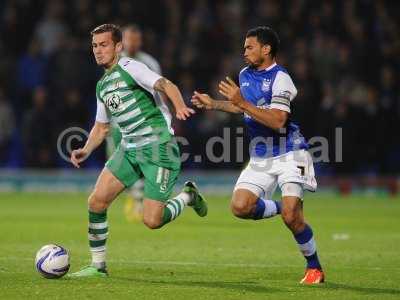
{"x": 126, "y": 96}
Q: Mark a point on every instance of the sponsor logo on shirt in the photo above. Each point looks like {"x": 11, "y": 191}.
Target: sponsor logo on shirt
{"x": 126, "y": 63}
{"x": 112, "y": 101}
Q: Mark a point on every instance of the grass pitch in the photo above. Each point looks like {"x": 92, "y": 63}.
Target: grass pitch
{"x": 218, "y": 257}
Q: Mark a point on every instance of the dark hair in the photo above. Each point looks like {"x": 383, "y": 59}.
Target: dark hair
{"x": 131, "y": 27}
{"x": 266, "y": 36}
{"x": 116, "y": 33}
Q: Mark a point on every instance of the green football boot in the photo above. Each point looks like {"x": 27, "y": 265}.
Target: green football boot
{"x": 89, "y": 271}
{"x": 198, "y": 203}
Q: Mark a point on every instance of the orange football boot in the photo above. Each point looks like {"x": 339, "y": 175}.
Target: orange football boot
{"x": 313, "y": 276}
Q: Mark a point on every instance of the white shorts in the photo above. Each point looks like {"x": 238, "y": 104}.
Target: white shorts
{"x": 262, "y": 175}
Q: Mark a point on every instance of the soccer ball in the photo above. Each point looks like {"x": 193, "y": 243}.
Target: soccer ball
{"x": 52, "y": 261}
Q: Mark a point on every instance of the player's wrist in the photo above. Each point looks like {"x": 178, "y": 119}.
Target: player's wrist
{"x": 213, "y": 104}
{"x": 180, "y": 107}
{"x": 86, "y": 150}
{"x": 243, "y": 105}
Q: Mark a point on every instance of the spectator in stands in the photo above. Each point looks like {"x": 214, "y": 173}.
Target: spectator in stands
{"x": 38, "y": 132}
{"x": 7, "y": 126}
{"x": 32, "y": 69}
{"x": 51, "y": 28}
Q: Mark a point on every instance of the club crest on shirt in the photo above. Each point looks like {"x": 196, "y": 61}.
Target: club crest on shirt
{"x": 112, "y": 101}
{"x": 266, "y": 84}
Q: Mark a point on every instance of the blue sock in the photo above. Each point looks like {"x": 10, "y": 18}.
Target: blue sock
{"x": 308, "y": 247}
{"x": 266, "y": 209}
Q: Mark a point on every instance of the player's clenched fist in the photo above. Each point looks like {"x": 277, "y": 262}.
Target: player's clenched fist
{"x": 78, "y": 156}
{"x": 202, "y": 101}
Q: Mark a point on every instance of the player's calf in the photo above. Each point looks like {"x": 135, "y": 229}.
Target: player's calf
{"x": 292, "y": 215}
{"x": 98, "y": 230}
{"x": 293, "y": 219}
{"x": 152, "y": 213}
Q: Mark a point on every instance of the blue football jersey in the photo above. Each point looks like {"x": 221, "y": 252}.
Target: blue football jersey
{"x": 266, "y": 89}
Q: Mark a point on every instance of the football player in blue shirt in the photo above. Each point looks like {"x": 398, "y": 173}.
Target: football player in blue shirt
{"x": 278, "y": 151}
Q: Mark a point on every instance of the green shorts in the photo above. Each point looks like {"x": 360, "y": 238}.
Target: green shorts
{"x": 159, "y": 164}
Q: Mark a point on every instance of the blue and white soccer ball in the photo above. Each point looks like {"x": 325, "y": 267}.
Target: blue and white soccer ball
{"x": 52, "y": 261}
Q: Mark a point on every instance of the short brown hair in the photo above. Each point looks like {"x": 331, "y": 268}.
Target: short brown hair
{"x": 131, "y": 27}
{"x": 116, "y": 33}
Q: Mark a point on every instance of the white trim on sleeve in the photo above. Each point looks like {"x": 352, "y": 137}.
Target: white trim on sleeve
{"x": 280, "y": 107}
{"x": 101, "y": 113}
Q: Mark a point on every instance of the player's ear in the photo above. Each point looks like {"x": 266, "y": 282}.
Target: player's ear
{"x": 118, "y": 47}
{"x": 266, "y": 49}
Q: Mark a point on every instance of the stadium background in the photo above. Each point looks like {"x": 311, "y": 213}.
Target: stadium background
{"x": 342, "y": 55}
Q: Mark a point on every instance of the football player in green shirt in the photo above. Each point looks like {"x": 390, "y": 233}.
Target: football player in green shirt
{"x": 127, "y": 94}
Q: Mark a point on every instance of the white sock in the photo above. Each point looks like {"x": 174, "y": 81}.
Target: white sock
{"x": 99, "y": 259}
{"x": 185, "y": 197}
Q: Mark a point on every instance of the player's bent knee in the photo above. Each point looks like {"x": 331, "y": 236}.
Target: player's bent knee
{"x": 241, "y": 208}
{"x": 152, "y": 222}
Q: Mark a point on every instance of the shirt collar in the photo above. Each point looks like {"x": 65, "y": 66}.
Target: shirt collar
{"x": 271, "y": 66}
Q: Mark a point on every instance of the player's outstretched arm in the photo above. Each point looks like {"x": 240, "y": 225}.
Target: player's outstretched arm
{"x": 204, "y": 101}
{"x": 96, "y": 137}
{"x": 171, "y": 90}
{"x": 272, "y": 118}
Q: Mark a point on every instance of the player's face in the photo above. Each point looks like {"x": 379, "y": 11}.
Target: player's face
{"x": 104, "y": 49}
{"x": 132, "y": 41}
{"x": 253, "y": 52}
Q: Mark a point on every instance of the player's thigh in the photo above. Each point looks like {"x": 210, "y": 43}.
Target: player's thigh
{"x": 106, "y": 189}
{"x": 123, "y": 166}
{"x": 254, "y": 182}
{"x": 256, "y": 179}
{"x": 296, "y": 167}
{"x": 159, "y": 182}
{"x": 160, "y": 172}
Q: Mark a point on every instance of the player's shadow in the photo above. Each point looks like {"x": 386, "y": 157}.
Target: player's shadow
{"x": 243, "y": 286}
{"x": 366, "y": 290}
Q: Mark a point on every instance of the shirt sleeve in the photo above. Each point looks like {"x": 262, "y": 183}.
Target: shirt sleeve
{"x": 283, "y": 92}
{"x": 151, "y": 62}
{"x": 145, "y": 77}
{"x": 101, "y": 113}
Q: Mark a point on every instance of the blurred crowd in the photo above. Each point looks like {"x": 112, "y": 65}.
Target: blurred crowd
{"x": 343, "y": 57}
